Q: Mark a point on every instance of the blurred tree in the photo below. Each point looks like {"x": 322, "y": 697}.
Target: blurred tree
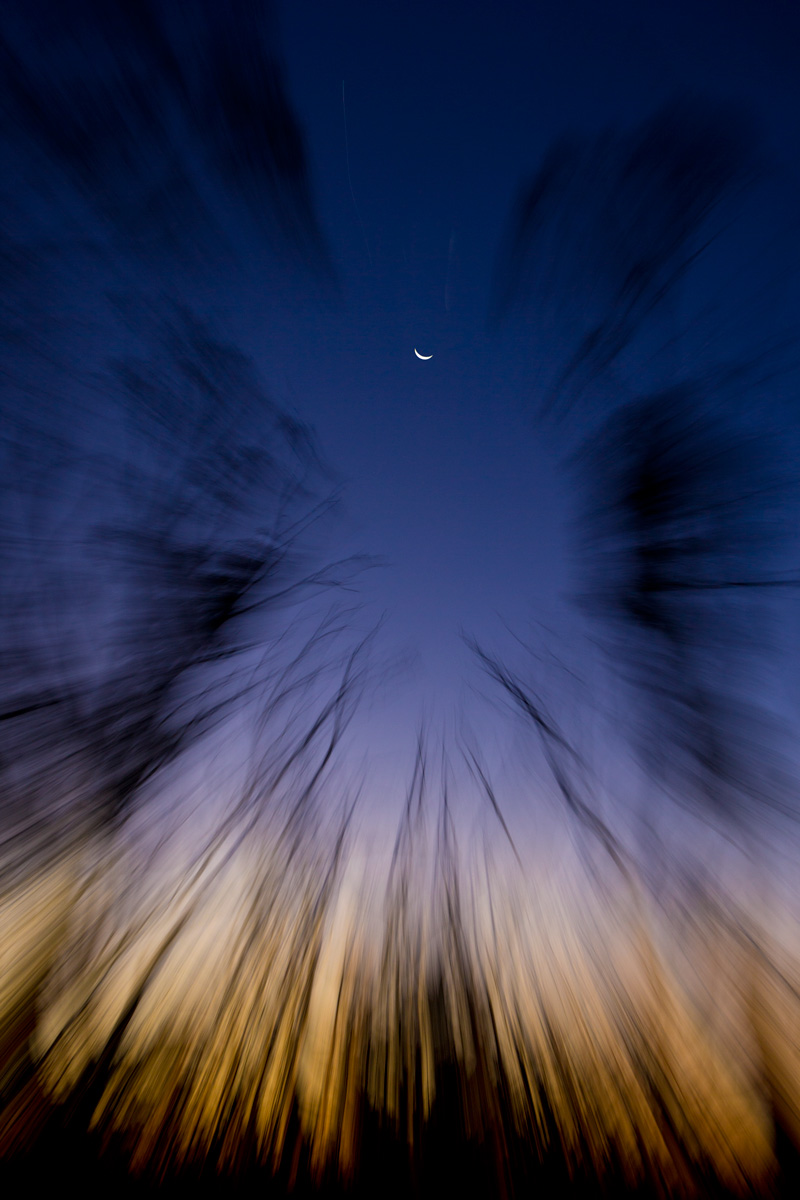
{"x": 151, "y": 495}
{"x": 685, "y": 496}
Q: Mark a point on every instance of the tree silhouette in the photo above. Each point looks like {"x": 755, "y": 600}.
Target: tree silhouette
{"x": 685, "y": 497}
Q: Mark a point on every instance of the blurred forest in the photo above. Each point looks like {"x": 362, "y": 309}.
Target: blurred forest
{"x": 196, "y": 990}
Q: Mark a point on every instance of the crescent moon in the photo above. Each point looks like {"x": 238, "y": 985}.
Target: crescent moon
{"x": 422, "y": 355}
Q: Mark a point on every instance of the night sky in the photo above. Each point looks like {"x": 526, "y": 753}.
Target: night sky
{"x": 447, "y": 476}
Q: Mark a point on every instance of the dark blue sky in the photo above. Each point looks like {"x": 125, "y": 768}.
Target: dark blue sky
{"x": 449, "y": 108}
{"x": 422, "y": 126}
